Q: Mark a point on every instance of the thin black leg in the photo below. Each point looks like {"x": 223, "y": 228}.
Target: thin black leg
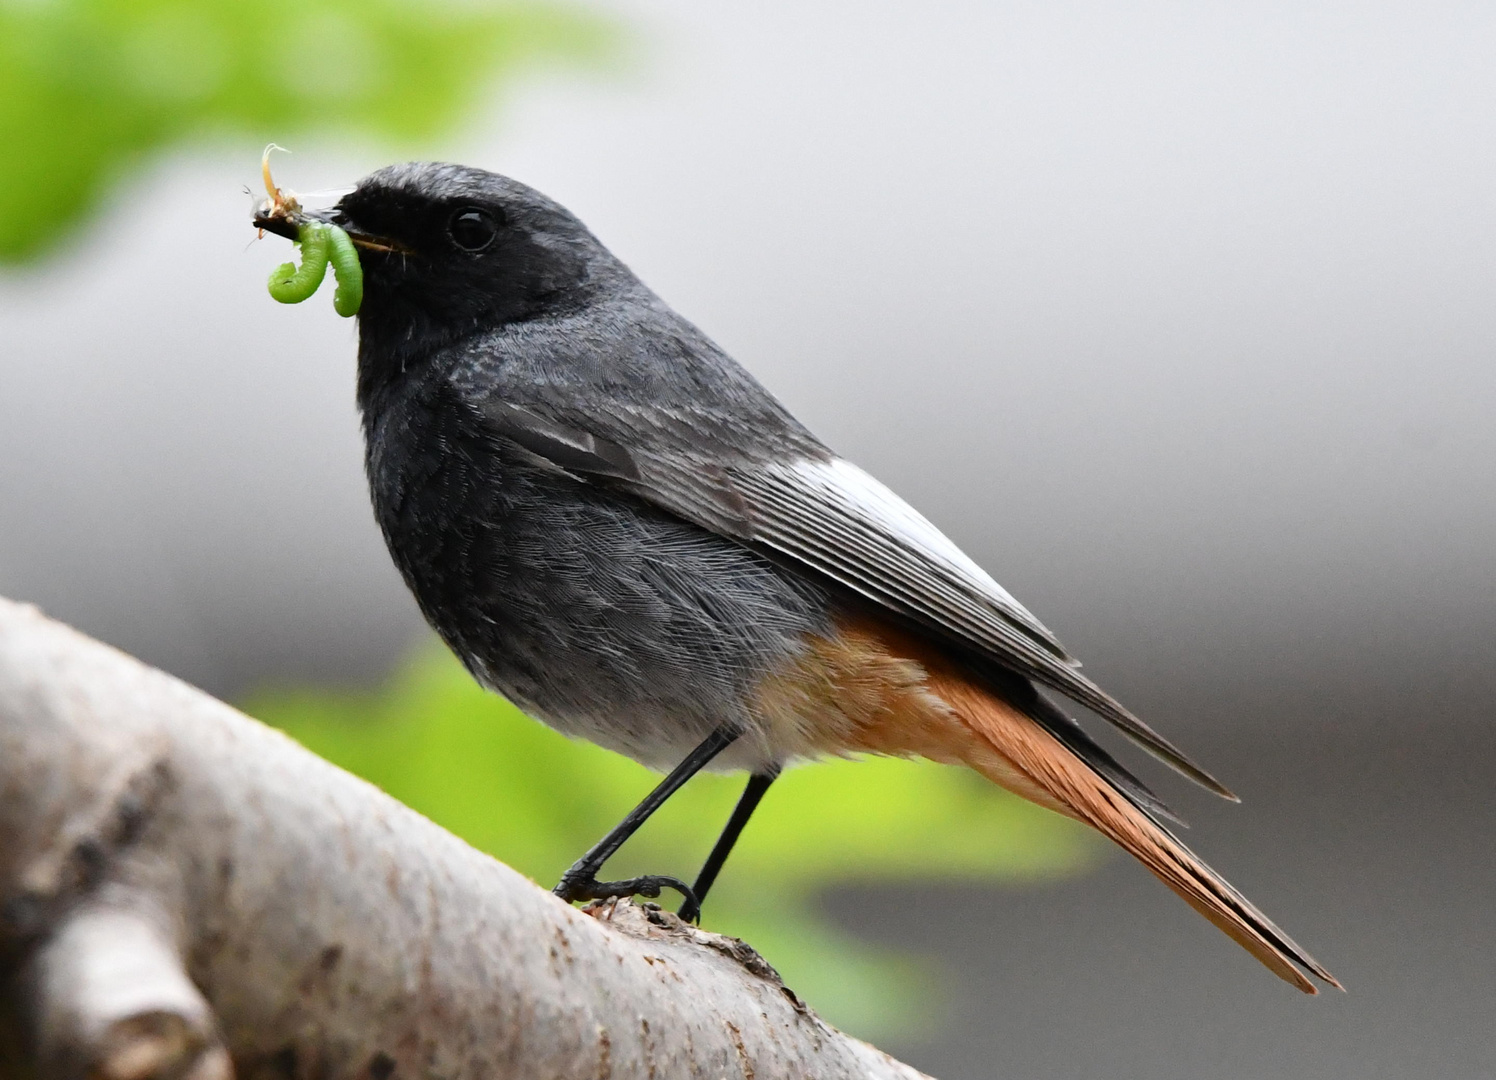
{"x": 758, "y": 783}
{"x": 580, "y": 882}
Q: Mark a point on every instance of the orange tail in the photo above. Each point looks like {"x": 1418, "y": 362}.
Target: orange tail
{"x": 1021, "y": 753}
{"x": 1018, "y": 743}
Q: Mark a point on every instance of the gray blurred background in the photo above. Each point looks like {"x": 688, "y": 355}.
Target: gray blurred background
{"x": 1177, "y": 316}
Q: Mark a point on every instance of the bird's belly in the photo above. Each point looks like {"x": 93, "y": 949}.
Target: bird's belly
{"x": 605, "y": 618}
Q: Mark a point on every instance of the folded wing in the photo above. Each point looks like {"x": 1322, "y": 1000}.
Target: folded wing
{"x": 832, "y": 517}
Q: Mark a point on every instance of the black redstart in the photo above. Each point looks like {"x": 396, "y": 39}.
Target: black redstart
{"x": 616, "y": 527}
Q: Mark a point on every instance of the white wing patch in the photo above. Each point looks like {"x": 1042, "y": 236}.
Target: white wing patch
{"x": 867, "y": 497}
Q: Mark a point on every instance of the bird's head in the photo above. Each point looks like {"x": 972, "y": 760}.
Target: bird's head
{"x": 449, "y": 251}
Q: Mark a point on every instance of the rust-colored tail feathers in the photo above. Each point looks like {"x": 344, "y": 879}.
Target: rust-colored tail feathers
{"x": 913, "y": 698}
{"x": 1016, "y": 751}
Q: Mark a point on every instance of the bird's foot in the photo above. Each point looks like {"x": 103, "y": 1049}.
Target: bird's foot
{"x": 582, "y": 885}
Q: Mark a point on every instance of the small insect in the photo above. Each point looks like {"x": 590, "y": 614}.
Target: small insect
{"x": 320, "y": 242}
{"x": 281, "y": 204}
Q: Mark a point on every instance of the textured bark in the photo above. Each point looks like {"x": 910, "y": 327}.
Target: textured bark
{"x": 187, "y": 894}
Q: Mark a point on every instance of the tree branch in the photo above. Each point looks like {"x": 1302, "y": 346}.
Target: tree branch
{"x": 187, "y": 894}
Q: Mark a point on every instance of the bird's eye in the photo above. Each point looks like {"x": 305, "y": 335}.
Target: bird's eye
{"x": 473, "y": 229}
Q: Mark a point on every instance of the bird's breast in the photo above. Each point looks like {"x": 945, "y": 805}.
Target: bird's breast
{"x": 595, "y": 611}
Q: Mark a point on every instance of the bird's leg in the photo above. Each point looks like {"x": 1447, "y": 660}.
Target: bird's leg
{"x": 580, "y": 882}
{"x": 758, "y": 783}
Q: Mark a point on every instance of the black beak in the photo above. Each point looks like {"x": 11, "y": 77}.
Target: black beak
{"x": 279, "y": 224}
{"x": 288, "y": 226}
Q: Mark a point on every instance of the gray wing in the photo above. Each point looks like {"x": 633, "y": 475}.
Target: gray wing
{"x": 828, "y": 515}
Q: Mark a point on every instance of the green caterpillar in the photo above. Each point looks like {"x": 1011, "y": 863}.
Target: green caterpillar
{"x": 321, "y": 242}
{"x": 349, "y": 272}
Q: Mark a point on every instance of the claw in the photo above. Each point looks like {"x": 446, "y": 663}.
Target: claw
{"x": 587, "y": 887}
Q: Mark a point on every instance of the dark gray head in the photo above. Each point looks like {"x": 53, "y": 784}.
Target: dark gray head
{"x": 448, "y": 251}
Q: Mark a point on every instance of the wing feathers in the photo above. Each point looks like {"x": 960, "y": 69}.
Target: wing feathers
{"x": 830, "y": 516}
{"x": 825, "y": 527}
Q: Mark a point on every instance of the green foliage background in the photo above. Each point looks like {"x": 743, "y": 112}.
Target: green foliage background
{"x": 91, "y": 89}
{"x": 471, "y": 762}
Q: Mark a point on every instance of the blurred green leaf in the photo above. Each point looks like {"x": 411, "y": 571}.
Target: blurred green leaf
{"x": 89, "y": 89}
{"x": 512, "y": 787}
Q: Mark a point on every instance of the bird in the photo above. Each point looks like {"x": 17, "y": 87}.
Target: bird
{"x": 618, "y": 528}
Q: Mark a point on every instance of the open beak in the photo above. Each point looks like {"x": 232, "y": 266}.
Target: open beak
{"x": 282, "y": 225}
